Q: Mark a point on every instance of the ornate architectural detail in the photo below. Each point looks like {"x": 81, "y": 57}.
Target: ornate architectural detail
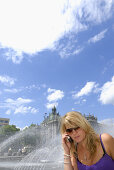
{"x": 51, "y": 123}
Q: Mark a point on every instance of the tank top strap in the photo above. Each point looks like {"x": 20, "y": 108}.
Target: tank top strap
{"x": 102, "y": 145}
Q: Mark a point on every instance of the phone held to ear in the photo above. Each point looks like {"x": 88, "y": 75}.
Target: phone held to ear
{"x": 69, "y": 139}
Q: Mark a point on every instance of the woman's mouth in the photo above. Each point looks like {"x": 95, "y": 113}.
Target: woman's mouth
{"x": 77, "y": 137}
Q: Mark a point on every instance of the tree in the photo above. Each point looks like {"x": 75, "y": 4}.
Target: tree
{"x": 32, "y": 125}
{"x": 9, "y": 130}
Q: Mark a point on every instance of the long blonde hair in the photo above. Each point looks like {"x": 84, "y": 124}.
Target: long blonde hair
{"x": 74, "y": 119}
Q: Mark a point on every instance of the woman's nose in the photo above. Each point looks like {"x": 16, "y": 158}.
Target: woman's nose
{"x": 74, "y": 131}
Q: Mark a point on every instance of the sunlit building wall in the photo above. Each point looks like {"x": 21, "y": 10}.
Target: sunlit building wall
{"x": 4, "y": 121}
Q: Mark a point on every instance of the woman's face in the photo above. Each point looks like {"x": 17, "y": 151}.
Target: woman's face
{"x": 76, "y": 133}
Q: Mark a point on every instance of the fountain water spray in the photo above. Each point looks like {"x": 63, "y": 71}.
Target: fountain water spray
{"x": 47, "y": 156}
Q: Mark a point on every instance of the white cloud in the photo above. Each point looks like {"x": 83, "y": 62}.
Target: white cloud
{"x": 19, "y": 101}
{"x": 84, "y": 100}
{"x": 7, "y": 80}
{"x": 50, "y": 90}
{"x": 73, "y": 108}
{"x": 77, "y": 51}
{"x": 29, "y": 87}
{"x": 55, "y": 95}
{"x": 18, "y": 106}
{"x": 80, "y": 101}
{"x": 107, "y": 93}
{"x": 98, "y": 11}
{"x": 30, "y": 26}
{"x": 51, "y": 105}
{"x": 68, "y": 50}
{"x": 97, "y": 37}
{"x": 23, "y": 109}
{"x": 33, "y": 86}
{"x": 12, "y": 90}
{"x": 8, "y": 112}
{"x": 15, "y": 56}
{"x": 85, "y": 90}
{"x": 34, "y": 110}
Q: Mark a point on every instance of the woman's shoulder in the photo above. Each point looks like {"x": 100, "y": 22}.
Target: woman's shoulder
{"x": 107, "y": 138}
{"x": 108, "y": 142}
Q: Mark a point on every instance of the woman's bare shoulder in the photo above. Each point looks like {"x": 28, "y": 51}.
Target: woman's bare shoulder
{"x": 107, "y": 138}
{"x": 108, "y": 142}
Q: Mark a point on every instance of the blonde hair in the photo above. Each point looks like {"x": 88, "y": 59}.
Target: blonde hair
{"x": 74, "y": 119}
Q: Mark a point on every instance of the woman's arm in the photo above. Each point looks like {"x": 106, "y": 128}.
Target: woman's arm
{"x": 68, "y": 164}
{"x": 108, "y": 141}
{"x": 74, "y": 163}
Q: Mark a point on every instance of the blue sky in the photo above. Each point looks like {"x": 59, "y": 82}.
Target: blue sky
{"x": 56, "y": 52}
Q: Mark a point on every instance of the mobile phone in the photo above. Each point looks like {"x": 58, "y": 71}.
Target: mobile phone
{"x": 69, "y": 139}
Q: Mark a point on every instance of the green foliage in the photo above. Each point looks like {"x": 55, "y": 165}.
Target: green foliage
{"x": 32, "y": 125}
{"x": 9, "y": 130}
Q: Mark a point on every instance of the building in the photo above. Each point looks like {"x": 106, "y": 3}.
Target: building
{"x": 92, "y": 120}
{"x": 4, "y": 121}
{"x": 51, "y": 124}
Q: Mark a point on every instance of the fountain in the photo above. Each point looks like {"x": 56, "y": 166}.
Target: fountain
{"x": 45, "y": 156}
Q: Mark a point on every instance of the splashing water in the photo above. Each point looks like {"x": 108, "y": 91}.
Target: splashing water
{"x": 49, "y": 156}
{"x": 13, "y": 139}
{"x": 45, "y": 158}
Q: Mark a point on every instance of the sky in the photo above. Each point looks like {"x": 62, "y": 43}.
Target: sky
{"x": 56, "y": 53}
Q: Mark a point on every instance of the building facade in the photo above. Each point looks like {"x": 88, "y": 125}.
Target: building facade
{"x": 4, "y": 121}
{"x": 51, "y": 124}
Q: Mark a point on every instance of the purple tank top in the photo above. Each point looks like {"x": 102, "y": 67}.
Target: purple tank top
{"x": 105, "y": 163}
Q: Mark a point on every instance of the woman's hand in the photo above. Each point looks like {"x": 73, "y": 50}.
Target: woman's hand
{"x": 66, "y": 144}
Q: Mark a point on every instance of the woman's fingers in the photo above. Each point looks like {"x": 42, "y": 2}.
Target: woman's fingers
{"x": 65, "y": 142}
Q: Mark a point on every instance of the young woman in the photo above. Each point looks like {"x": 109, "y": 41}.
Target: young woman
{"x": 83, "y": 148}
